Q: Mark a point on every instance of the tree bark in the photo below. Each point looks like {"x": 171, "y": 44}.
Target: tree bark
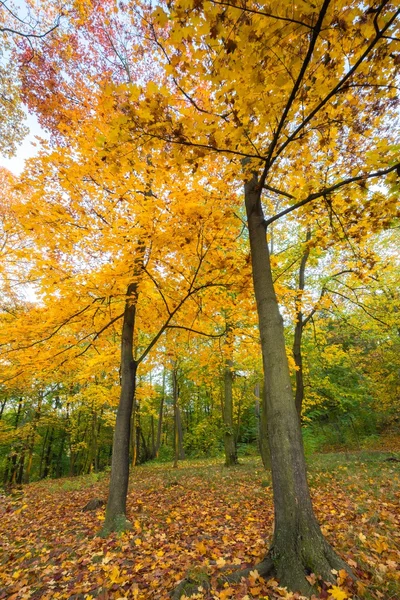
{"x": 263, "y": 428}
{"x": 115, "y": 519}
{"x": 298, "y": 547}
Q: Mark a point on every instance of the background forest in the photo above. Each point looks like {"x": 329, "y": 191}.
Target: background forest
{"x": 62, "y": 423}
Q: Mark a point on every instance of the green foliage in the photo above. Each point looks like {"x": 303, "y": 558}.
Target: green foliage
{"x": 204, "y": 440}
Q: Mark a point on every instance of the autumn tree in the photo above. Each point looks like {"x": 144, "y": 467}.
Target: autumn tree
{"x": 296, "y": 102}
{"x": 31, "y": 25}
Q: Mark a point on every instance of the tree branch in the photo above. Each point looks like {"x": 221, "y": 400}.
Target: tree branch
{"x": 336, "y": 89}
{"x": 276, "y": 191}
{"x": 314, "y": 36}
{"x": 328, "y": 190}
{"x": 265, "y": 14}
{"x": 210, "y": 335}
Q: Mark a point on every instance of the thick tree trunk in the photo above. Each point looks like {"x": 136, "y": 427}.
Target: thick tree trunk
{"x": 298, "y": 547}
{"x": 299, "y": 327}
{"x": 229, "y": 434}
{"x": 263, "y": 428}
{"x": 116, "y": 505}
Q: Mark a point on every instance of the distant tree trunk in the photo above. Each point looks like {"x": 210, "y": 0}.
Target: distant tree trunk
{"x": 257, "y": 411}
{"x": 181, "y": 451}
{"x": 137, "y": 439}
{"x": 59, "y": 469}
{"x": 298, "y": 546}
{"x": 175, "y": 392}
{"x": 299, "y": 327}
{"x": 134, "y": 446}
{"x": 3, "y": 404}
{"x": 229, "y": 434}
{"x": 115, "y": 519}
{"x": 10, "y": 468}
{"x": 42, "y": 453}
{"x": 98, "y": 444}
{"x": 145, "y": 455}
{"x": 160, "y": 415}
{"x": 153, "y": 438}
{"x": 93, "y": 442}
{"x": 32, "y": 437}
{"x": 48, "y": 454}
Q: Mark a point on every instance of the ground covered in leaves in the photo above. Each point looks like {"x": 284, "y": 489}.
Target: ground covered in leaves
{"x": 200, "y": 518}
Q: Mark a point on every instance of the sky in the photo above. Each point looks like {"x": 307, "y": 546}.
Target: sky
{"x": 27, "y": 149}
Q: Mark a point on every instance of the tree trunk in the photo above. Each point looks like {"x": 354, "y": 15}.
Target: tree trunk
{"x": 115, "y": 519}
{"x": 32, "y": 438}
{"x": 175, "y": 392}
{"x": 59, "y": 465}
{"x": 48, "y": 454}
{"x": 153, "y": 438}
{"x": 263, "y": 428}
{"x": 298, "y": 547}
{"x": 299, "y": 327}
{"x": 160, "y": 415}
{"x": 229, "y": 435}
{"x": 3, "y": 404}
{"x": 181, "y": 451}
{"x": 9, "y": 471}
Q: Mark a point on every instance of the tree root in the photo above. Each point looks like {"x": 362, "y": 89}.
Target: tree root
{"x": 191, "y": 584}
{"x": 195, "y": 580}
{"x": 291, "y": 574}
{"x": 265, "y": 569}
{"x": 118, "y": 524}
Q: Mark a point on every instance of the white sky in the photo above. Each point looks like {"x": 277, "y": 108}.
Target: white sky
{"x": 27, "y": 149}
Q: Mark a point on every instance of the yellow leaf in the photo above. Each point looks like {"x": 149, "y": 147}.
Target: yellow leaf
{"x": 255, "y": 591}
{"x": 226, "y": 593}
{"x": 138, "y": 542}
{"x": 337, "y": 593}
{"x": 200, "y": 547}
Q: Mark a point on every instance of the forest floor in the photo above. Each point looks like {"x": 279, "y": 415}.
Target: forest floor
{"x": 199, "y": 517}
